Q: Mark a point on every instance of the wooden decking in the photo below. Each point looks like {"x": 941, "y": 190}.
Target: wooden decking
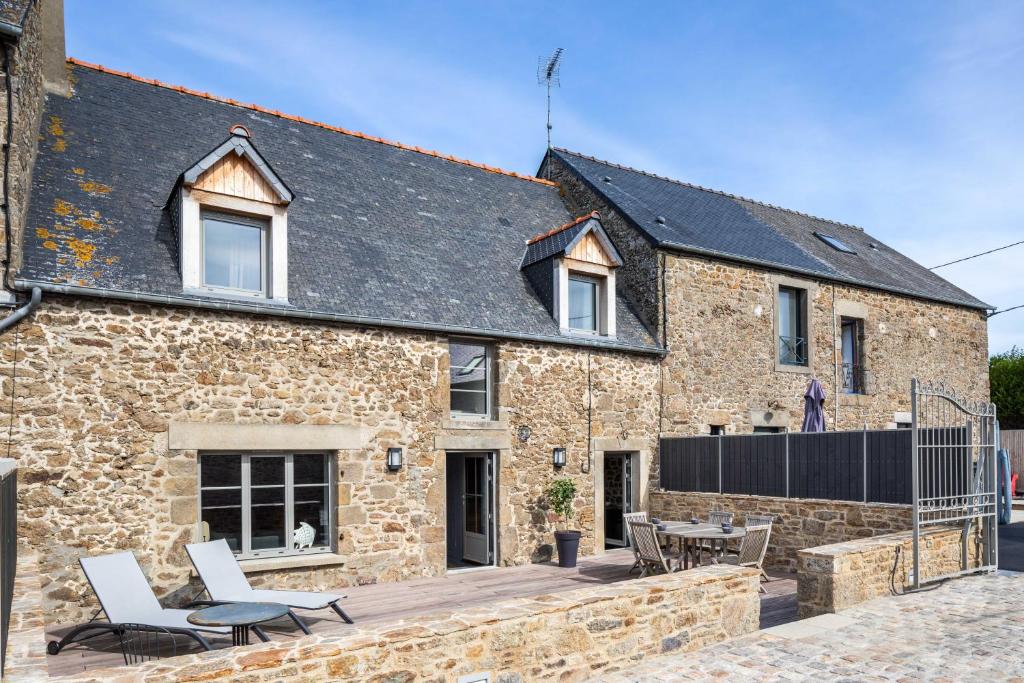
{"x": 384, "y": 602}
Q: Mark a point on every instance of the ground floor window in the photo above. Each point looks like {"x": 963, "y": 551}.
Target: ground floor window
{"x": 267, "y": 504}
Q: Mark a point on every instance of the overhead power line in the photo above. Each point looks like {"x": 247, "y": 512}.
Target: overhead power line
{"x": 1005, "y": 310}
{"x": 984, "y": 253}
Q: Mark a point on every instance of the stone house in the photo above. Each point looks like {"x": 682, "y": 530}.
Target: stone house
{"x": 252, "y": 323}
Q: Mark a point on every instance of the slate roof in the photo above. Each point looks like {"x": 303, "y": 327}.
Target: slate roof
{"x": 698, "y": 220}
{"x": 378, "y": 234}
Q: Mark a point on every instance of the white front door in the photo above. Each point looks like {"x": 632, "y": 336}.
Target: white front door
{"x": 477, "y": 508}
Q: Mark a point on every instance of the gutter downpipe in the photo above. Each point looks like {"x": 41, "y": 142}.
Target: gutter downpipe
{"x": 835, "y": 359}
{"x": 13, "y": 319}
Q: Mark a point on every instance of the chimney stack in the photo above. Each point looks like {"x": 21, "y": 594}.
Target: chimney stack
{"x": 54, "y": 55}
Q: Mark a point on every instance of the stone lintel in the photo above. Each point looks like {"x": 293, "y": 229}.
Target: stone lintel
{"x": 614, "y": 444}
{"x": 769, "y": 418}
{"x": 473, "y": 442}
{"x": 208, "y": 436}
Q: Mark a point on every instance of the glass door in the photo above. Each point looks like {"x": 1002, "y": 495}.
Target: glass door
{"x": 477, "y": 503}
{"x": 617, "y": 497}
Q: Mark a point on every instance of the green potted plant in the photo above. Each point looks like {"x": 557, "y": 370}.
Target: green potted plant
{"x": 561, "y": 494}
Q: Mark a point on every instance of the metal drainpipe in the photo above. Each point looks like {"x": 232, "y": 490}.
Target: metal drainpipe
{"x": 7, "y": 164}
{"x": 13, "y": 319}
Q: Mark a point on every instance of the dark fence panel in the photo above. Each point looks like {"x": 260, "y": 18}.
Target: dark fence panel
{"x": 870, "y": 466}
{"x": 890, "y": 476}
{"x": 754, "y": 466}
{"x": 8, "y": 551}
{"x": 691, "y": 464}
{"x": 827, "y": 465}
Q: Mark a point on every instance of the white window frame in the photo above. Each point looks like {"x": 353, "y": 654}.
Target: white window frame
{"x": 605, "y": 278}
{"x": 238, "y": 219}
{"x": 194, "y": 203}
{"x": 246, "y": 551}
{"x": 488, "y": 381}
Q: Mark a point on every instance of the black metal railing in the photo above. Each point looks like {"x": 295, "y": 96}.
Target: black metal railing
{"x": 792, "y": 350}
{"x": 8, "y": 548}
{"x": 853, "y": 378}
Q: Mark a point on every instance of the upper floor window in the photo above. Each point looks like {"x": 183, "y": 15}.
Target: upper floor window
{"x": 584, "y": 293}
{"x": 231, "y": 213}
{"x": 234, "y": 254}
{"x": 792, "y": 326}
{"x": 267, "y": 504}
{"x": 851, "y": 345}
{"x": 471, "y": 384}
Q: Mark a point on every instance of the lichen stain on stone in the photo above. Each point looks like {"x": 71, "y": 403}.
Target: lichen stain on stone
{"x": 78, "y": 171}
{"x": 94, "y": 188}
{"x": 50, "y": 244}
{"x": 88, "y": 224}
{"x": 43, "y": 233}
{"x": 111, "y": 260}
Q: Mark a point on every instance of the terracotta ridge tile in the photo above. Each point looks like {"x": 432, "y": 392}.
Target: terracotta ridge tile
{"x": 299, "y": 119}
{"x": 560, "y": 228}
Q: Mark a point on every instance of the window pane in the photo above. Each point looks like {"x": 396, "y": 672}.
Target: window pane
{"x": 232, "y": 255}
{"x": 468, "y": 378}
{"x": 268, "y": 518}
{"x": 311, "y": 509}
{"x": 582, "y": 304}
{"x": 787, "y": 312}
{"x": 221, "y": 514}
{"x": 310, "y": 468}
{"x": 221, "y": 470}
{"x": 266, "y": 470}
{"x": 473, "y": 402}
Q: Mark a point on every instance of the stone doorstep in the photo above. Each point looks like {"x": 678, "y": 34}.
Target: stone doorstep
{"x": 425, "y": 626}
{"x": 812, "y": 626}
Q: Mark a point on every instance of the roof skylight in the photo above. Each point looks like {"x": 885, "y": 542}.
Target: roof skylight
{"x": 834, "y": 242}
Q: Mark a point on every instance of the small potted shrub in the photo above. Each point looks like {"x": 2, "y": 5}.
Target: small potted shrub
{"x": 561, "y": 494}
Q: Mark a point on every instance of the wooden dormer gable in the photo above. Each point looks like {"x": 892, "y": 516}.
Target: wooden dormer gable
{"x": 583, "y": 240}
{"x": 236, "y": 169}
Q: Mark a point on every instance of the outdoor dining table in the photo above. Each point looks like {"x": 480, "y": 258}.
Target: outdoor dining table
{"x": 689, "y": 537}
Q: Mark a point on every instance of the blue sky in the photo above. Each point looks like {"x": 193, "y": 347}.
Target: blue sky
{"x": 903, "y": 118}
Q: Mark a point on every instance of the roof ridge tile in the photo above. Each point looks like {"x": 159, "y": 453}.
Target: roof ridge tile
{"x": 563, "y": 227}
{"x": 706, "y": 189}
{"x": 299, "y": 119}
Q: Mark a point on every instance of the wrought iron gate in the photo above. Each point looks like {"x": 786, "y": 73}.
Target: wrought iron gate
{"x": 954, "y": 474}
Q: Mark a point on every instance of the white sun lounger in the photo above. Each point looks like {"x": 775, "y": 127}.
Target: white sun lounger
{"x": 225, "y": 582}
{"x": 127, "y": 598}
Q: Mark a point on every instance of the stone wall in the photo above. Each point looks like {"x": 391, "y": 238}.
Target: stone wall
{"x": 721, "y": 336}
{"x": 569, "y": 636}
{"x": 99, "y": 383}
{"x": 27, "y": 74}
{"x": 799, "y": 523}
{"x": 834, "y": 577}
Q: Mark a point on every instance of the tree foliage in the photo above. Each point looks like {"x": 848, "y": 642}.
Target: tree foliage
{"x": 561, "y": 494}
{"x": 1006, "y": 375}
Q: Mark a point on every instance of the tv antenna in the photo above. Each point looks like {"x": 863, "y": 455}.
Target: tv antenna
{"x": 548, "y": 74}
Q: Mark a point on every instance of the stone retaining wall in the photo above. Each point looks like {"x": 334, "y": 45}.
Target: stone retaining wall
{"x": 568, "y": 636}
{"x": 799, "y": 523}
{"x": 834, "y": 577}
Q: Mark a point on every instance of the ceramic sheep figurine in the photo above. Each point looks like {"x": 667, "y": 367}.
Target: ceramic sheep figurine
{"x": 303, "y": 536}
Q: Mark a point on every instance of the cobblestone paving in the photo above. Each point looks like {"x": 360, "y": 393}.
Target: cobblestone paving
{"x": 969, "y": 629}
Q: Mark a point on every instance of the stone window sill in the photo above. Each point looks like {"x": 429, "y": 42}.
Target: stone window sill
{"x": 453, "y": 423}
{"x": 265, "y": 564}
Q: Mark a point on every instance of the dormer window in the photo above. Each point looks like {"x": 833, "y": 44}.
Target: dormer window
{"x": 231, "y": 211}
{"x": 572, "y": 269}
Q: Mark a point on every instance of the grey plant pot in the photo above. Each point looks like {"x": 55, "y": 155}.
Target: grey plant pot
{"x": 568, "y": 544}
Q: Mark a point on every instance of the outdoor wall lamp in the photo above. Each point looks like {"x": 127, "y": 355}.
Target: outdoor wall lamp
{"x": 394, "y": 459}
{"x": 558, "y": 457}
